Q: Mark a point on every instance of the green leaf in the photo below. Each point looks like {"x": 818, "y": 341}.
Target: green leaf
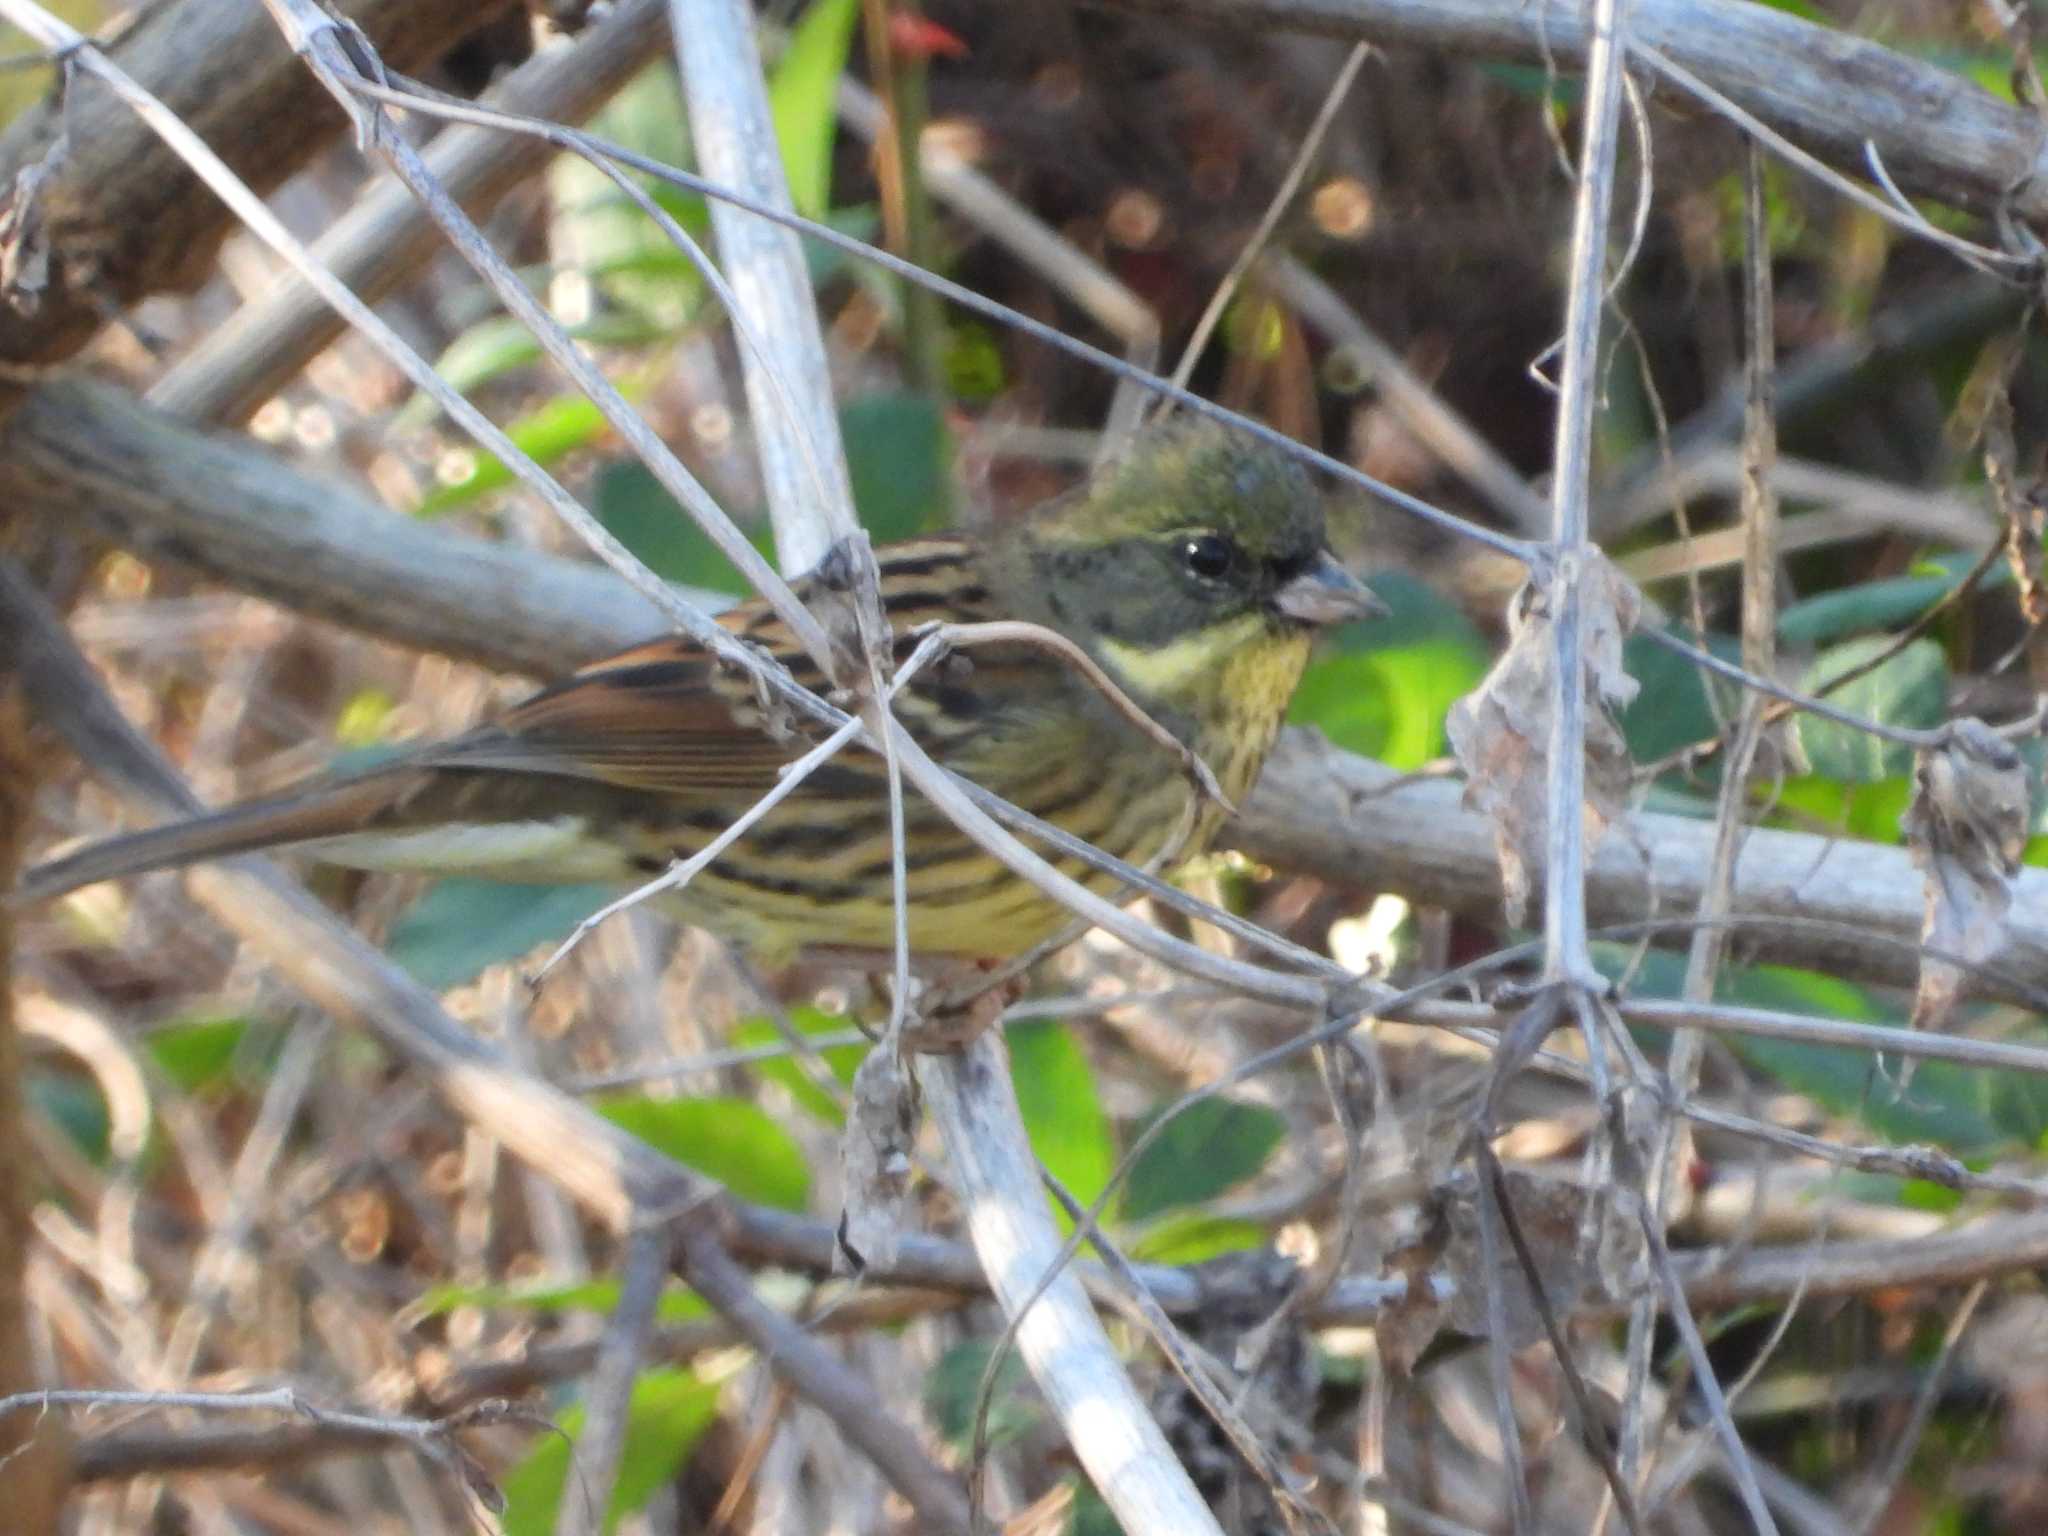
{"x": 1867, "y": 811}
{"x": 1063, "y": 1113}
{"x": 647, "y": 116}
{"x": 733, "y": 1141}
{"x": 548, "y": 434}
{"x": 1534, "y": 82}
{"x": 677, "y": 1304}
{"x": 1205, "y": 1149}
{"x": 1888, "y": 604}
{"x": 1385, "y": 687}
{"x": 1091, "y": 1515}
{"x": 597, "y": 229}
{"x": 1963, "y": 1110}
{"x": 498, "y": 344}
{"x": 842, "y": 1060}
{"x": 1910, "y": 690}
{"x": 2017, "y": 1102}
{"x": 897, "y": 456}
{"x": 1671, "y": 707}
{"x": 973, "y": 363}
{"x": 1785, "y": 220}
{"x": 73, "y": 1104}
{"x": 648, "y": 521}
{"x": 666, "y": 1414}
{"x": 1926, "y": 1195}
{"x": 1254, "y": 326}
{"x": 363, "y": 720}
{"x": 801, "y": 97}
{"x": 458, "y": 927}
{"x": 1945, "y": 1105}
{"x": 954, "y": 1382}
{"x": 492, "y": 347}
{"x": 197, "y": 1054}
{"x": 1190, "y": 1237}
{"x": 1991, "y": 69}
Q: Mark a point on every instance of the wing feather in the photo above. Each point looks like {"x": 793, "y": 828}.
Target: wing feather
{"x": 664, "y": 717}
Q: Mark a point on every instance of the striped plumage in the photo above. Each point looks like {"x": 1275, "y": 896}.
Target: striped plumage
{"x": 646, "y": 756}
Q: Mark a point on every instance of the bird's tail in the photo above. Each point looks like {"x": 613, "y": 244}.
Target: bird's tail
{"x": 304, "y": 816}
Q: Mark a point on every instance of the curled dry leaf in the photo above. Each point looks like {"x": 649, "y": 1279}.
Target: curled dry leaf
{"x": 1501, "y": 731}
{"x": 1966, "y": 828}
{"x": 875, "y": 1162}
{"x": 2026, "y": 519}
{"x": 1581, "y": 1244}
{"x": 2023, "y": 508}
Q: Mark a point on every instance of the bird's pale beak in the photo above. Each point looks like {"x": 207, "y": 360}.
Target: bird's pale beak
{"x": 1326, "y": 593}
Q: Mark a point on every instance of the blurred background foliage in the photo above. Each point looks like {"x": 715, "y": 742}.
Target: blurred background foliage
{"x": 1437, "y": 211}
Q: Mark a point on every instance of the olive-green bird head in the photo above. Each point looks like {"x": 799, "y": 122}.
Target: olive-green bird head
{"x": 1200, "y": 547}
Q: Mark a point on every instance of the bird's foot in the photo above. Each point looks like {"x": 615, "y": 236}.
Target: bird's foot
{"x": 958, "y": 1006}
{"x": 953, "y": 999}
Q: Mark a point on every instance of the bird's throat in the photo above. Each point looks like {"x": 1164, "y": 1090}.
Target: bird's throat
{"x": 1182, "y": 670}
{"x": 1223, "y": 690}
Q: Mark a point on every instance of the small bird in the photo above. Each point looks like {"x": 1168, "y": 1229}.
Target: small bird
{"x": 1193, "y": 572}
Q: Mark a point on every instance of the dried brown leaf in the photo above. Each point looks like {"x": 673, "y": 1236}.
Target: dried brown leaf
{"x": 2023, "y": 508}
{"x": 1577, "y": 1238}
{"x": 1500, "y": 731}
{"x": 1966, "y": 828}
{"x": 2025, "y": 552}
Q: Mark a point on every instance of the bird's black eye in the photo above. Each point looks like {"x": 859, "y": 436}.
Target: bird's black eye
{"x": 1209, "y": 555}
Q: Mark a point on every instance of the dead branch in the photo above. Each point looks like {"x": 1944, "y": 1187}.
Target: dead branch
{"x": 120, "y": 214}
{"x": 1939, "y": 133}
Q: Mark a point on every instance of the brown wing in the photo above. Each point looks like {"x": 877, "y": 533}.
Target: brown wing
{"x": 665, "y": 717}
{"x": 661, "y": 717}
